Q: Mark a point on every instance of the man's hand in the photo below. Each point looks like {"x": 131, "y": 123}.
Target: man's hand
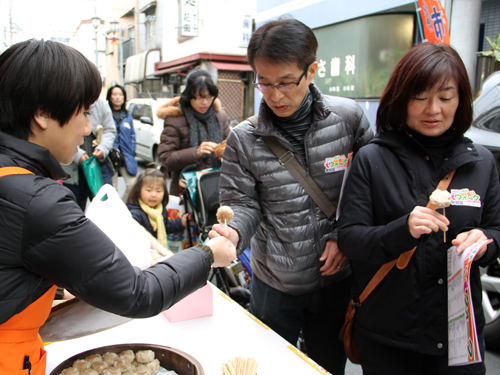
{"x": 99, "y": 154}
{"x": 333, "y": 258}
{"x": 83, "y": 157}
{"x": 224, "y": 231}
{"x": 423, "y": 220}
{"x": 205, "y": 148}
{"x": 224, "y": 251}
{"x": 466, "y": 239}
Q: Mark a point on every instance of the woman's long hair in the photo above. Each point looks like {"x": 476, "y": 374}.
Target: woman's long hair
{"x": 108, "y": 97}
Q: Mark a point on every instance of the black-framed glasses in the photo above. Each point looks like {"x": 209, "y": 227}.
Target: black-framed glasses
{"x": 283, "y": 87}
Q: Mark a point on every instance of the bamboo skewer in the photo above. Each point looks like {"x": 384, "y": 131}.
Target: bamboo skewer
{"x": 240, "y": 366}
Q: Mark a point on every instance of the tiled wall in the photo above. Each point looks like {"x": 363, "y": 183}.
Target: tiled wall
{"x": 490, "y": 17}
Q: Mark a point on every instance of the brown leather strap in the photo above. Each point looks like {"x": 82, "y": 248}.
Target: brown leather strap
{"x": 288, "y": 159}
{"x": 404, "y": 258}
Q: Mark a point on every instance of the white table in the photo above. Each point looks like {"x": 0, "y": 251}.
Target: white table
{"x": 212, "y": 340}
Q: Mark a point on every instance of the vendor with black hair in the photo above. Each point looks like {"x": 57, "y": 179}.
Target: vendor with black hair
{"x": 45, "y": 239}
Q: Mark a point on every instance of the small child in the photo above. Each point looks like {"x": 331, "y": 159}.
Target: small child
{"x": 147, "y": 203}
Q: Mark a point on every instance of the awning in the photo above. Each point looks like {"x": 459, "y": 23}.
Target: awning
{"x": 172, "y": 69}
{"x": 141, "y": 66}
{"x": 232, "y": 66}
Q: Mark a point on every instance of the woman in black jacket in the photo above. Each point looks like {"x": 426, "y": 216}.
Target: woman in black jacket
{"x": 45, "y": 239}
{"x": 402, "y": 327}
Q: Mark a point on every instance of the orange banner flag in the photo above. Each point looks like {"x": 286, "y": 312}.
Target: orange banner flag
{"x": 434, "y": 22}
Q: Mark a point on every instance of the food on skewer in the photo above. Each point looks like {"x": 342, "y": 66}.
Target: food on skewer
{"x": 441, "y": 199}
{"x": 219, "y": 149}
{"x": 224, "y": 215}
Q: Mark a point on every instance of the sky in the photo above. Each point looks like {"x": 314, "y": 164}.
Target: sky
{"x": 46, "y": 18}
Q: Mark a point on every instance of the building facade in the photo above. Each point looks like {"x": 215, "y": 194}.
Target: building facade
{"x": 361, "y": 41}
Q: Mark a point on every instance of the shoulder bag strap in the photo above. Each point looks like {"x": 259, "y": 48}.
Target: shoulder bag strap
{"x": 288, "y": 159}
{"x": 253, "y": 120}
{"x": 404, "y": 258}
{"x": 8, "y": 171}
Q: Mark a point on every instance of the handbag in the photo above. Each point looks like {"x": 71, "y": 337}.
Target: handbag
{"x": 347, "y": 332}
{"x": 116, "y": 157}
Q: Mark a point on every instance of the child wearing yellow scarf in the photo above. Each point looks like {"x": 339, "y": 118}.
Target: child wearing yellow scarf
{"x": 147, "y": 202}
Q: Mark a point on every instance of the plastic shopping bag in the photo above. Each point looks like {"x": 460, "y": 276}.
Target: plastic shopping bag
{"x": 112, "y": 216}
{"x": 93, "y": 174}
{"x": 178, "y": 241}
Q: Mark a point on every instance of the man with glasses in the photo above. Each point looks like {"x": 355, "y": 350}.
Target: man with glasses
{"x": 300, "y": 279}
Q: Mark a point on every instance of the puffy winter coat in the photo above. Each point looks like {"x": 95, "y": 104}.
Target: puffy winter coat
{"x": 45, "y": 239}
{"x": 174, "y": 151}
{"x": 388, "y": 178}
{"x": 171, "y": 226}
{"x": 125, "y": 138}
{"x": 288, "y": 230}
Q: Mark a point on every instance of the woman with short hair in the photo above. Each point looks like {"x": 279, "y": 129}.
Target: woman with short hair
{"x": 194, "y": 124}
{"x": 402, "y": 326}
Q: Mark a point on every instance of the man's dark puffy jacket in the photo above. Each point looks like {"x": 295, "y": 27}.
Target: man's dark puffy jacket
{"x": 45, "y": 239}
{"x": 388, "y": 178}
{"x": 289, "y": 230}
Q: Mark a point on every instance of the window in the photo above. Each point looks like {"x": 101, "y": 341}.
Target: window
{"x": 137, "y": 111}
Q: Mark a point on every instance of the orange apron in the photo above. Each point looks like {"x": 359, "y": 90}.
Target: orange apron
{"x": 19, "y": 335}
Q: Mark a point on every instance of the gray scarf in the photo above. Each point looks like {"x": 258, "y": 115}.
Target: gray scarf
{"x": 197, "y": 133}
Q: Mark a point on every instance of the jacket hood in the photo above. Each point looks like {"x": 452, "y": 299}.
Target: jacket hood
{"x": 172, "y": 108}
{"x": 460, "y": 151}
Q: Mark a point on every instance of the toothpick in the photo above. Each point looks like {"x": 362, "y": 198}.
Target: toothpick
{"x": 444, "y": 232}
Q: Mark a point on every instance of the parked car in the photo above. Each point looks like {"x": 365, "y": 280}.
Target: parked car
{"x": 485, "y": 130}
{"x": 147, "y": 126}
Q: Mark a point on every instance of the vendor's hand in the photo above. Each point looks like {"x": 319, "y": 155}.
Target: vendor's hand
{"x": 224, "y": 251}
{"x": 185, "y": 218}
{"x": 466, "y": 239}
{"x": 333, "y": 258}
{"x": 99, "y": 154}
{"x": 83, "y": 157}
{"x": 224, "y": 231}
{"x": 205, "y": 148}
{"x": 423, "y": 220}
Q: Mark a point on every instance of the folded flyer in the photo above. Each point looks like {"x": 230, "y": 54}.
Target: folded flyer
{"x": 463, "y": 345}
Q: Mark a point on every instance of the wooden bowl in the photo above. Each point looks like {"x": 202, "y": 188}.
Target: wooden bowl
{"x": 170, "y": 358}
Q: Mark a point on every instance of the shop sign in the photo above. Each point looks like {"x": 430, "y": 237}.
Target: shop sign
{"x": 355, "y": 58}
{"x": 189, "y": 17}
{"x": 246, "y": 31}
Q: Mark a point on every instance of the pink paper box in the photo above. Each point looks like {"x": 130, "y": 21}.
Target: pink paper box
{"x": 196, "y": 305}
